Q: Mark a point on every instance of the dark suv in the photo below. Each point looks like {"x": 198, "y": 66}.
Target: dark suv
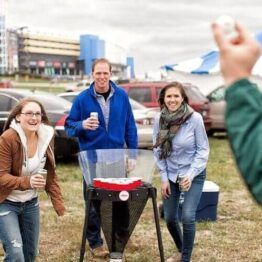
{"x": 147, "y": 94}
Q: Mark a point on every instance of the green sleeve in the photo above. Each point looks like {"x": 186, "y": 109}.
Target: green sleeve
{"x": 244, "y": 127}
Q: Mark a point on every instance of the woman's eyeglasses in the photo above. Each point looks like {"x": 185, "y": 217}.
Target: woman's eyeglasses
{"x": 32, "y": 114}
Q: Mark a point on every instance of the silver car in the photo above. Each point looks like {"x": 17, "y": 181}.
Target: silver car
{"x": 217, "y": 110}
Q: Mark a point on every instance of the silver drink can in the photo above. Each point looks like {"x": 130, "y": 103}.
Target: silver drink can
{"x": 94, "y": 115}
{"x": 42, "y": 172}
{"x": 180, "y": 178}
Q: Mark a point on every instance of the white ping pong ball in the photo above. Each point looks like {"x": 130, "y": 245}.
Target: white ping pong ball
{"x": 228, "y": 25}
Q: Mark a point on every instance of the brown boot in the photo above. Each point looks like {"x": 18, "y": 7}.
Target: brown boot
{"x": 99, "y": 252}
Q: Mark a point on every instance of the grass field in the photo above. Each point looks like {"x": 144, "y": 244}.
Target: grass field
{"x": 235, "y": 236}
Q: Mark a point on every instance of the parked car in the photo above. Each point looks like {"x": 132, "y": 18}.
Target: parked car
{"x": 5, "y": 84}
{"x": 144, "y": 118}
{"x": 147, "y": 94}
{"x": 81, "y": 85}
{"x": 217, "y": 110}
{"x": 57, "y": 110}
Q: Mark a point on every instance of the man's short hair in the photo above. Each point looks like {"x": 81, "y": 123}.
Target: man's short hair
{"x": 101, "y": 60}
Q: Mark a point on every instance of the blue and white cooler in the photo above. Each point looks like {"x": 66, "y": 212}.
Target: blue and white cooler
{"x": 207, "y": 207}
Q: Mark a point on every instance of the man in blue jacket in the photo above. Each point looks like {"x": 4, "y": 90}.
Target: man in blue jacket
{"x": 114, "y": 128}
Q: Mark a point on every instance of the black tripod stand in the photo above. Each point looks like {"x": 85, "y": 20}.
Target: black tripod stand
{"x": 112, "y": 210}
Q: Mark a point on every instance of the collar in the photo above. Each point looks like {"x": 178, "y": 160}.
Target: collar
{"x": 111, "y": 84}
{"x": 45, "y": 134}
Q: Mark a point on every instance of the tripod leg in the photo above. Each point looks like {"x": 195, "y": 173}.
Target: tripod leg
{"x": 87, "y": 207}
{"x": 159, "y": 237}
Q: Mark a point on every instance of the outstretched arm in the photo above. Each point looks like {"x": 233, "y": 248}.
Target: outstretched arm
{"x": 244, "y": 104}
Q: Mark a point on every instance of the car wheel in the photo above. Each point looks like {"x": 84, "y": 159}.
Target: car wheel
{"x": 210, "y": 132}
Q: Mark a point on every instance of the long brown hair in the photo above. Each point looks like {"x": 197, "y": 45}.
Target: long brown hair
{"x": 162, "y": 93}
{"x": 17, "y": 109}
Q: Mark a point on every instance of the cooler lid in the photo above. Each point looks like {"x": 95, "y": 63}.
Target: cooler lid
{"x": 210, "y": 186}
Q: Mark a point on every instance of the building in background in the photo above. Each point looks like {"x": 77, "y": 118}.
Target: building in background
{"x": 12, "y": 51}
{"x": 3, "y": 40}
{"x": 24, "y": 52}
{"x": 91, "y": 48}
{"x": 53, "y": 56}
{"x": 46, "y": 55}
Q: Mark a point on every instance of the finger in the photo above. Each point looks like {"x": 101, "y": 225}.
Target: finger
{"x": 242, "y": 31}
{"x": 164, "y": 194}
{"x": 39, "y": 182}
{"x": 219, "y": 36}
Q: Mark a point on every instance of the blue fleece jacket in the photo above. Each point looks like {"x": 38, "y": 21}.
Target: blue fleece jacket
{"x": 121, "y": 127}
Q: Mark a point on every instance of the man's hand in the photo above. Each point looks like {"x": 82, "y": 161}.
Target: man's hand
{"x": 131, "y": 164}
{"x": 237, "y": 55}
{"x": 90, "y": 123}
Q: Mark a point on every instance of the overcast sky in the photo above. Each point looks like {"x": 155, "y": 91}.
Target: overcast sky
{"x": 154, "y": 32}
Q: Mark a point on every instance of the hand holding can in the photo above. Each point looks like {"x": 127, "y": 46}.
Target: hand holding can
{"x": 181, "y": 178}
{"x": 91, "y": 123}
{"x": 94, "y": 120}
{"x": 38, "y": 180}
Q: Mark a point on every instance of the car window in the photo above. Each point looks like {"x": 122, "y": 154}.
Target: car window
{"x": 136, "y": 105}
{"x": 141, "y": 94}
{"x": 158, "y": 89}
{"x": 6, "y": 103}
{"x": 69, "y": 98}
{"x": 194, "y": 94}
{"x": 217, "y": 95}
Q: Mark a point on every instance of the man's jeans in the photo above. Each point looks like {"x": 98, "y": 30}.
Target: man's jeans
{"x": 19, "y": 230}
{"x": 102, "y": 169}
{"x": 93, "y": 234}
{"x": 185, "y": 241}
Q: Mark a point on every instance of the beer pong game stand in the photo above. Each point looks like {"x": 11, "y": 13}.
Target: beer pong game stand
{"x": 119, "y": 197}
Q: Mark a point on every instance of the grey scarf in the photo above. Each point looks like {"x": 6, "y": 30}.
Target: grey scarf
{"x": 169, "y": 124}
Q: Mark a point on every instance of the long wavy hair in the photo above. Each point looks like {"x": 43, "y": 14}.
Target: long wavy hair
{"x": 17, "y": 109}
{"x": 161, "y": 98}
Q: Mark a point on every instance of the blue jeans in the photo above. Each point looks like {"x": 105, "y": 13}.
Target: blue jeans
{"x": 19, "y": 230}
{"x": 185, "y": 241}
{"x": 93, "y": 234}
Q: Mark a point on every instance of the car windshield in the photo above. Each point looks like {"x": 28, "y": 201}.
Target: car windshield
{"x": 194, "y": 94}
{"x": 136, "y": 105}
{"x": 218, "y": 94}
{"x": 70, "y": 98}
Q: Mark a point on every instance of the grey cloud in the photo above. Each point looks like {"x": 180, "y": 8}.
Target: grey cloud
{"x": 155, "y": 32}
